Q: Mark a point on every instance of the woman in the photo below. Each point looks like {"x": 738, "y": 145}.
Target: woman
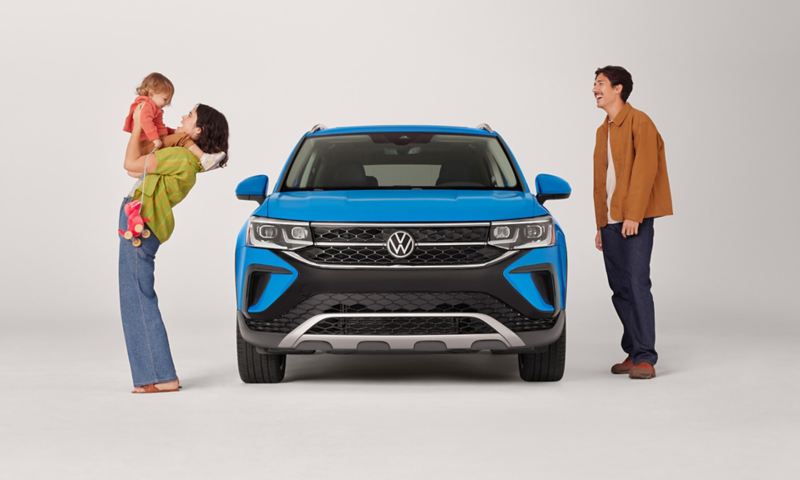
{"x": 170, "y": 175}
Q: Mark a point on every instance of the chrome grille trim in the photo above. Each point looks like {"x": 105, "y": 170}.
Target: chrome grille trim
{"x": 451, "y": 244}
{"x": 378, "y": 244}
{"x": 350, "y": 244}
{"x": 299, "y": 258}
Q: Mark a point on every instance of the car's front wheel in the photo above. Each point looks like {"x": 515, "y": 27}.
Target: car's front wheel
{"x": 547, "y": 365}
{"x": 257, "y": 367}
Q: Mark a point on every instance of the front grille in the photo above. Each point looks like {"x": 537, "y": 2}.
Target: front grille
{"x": 365, "y": 245}
{"x": 400, "y": 326}
{"x": 434, "y": 255}
{"x": 402, "y": 302}
{"x": 380, "y": 234}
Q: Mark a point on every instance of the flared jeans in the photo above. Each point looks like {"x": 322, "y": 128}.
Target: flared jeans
{"x": 145, "y": 336}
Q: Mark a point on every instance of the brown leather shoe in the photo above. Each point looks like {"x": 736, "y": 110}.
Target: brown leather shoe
{"x": 642, "y": 371}
{"x": 623, "y": 367}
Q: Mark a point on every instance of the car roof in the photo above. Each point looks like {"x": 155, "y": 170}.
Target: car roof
{"x": 401, "y": 128}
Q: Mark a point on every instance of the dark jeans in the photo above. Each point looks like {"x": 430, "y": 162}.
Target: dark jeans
{"x": 628, "y": 267}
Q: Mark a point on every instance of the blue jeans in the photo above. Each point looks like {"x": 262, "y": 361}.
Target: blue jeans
{"x": 628, "y": 268}
{"x": 145, "y": 336}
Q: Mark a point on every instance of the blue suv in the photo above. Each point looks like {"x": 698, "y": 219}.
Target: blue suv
{"x": 401, "y": 239}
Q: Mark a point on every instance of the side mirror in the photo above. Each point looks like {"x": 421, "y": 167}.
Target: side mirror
{"x": 253, "y": 188}
{"x": 550, "y": 187}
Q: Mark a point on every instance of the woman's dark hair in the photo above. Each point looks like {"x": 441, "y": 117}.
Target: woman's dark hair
{"x": 213, "y": 131}
{"x": 617, "y": 76}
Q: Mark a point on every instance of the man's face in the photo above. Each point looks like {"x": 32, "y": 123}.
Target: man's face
{"x": 604, "y": 93}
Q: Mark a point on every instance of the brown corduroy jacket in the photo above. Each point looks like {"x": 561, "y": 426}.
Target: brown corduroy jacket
{"x": 642, "y": 189}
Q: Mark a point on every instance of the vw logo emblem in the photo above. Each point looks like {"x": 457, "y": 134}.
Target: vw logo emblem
{"x": 400, "y": 244}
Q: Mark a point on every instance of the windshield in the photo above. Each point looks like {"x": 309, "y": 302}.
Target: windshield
{"x": 401, "y": 160}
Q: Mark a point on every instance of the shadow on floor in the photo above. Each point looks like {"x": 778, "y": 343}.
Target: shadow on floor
{"x": 390, "y": 368}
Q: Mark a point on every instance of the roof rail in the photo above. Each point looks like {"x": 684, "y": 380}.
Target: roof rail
{"x": 485, "y": 126}
{"x": 317, "y": 128}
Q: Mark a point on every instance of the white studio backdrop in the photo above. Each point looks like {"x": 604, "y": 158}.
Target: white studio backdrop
{"x": 717, "y": 78}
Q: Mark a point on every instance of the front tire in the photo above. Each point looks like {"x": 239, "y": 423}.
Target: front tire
{"x": 256, "y": 367}
{"x": 546, "y": 366}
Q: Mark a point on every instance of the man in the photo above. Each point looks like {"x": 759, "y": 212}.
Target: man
{"x": 631, "y": 188}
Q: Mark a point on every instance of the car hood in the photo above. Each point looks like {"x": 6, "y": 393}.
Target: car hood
{"x": 401, "y": 206}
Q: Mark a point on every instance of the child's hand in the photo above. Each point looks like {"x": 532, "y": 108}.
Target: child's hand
{"x": 157, "y": 143}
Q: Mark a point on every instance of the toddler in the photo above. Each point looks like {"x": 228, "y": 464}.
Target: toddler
{"x": 155, "y": 93}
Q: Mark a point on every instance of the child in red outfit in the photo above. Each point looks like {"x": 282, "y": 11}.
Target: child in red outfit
{"x": 154, "y": 94}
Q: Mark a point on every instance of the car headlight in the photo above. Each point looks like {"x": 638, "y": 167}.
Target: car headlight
{"x": 520, "y": 234}
{"x": 278, "y": 234}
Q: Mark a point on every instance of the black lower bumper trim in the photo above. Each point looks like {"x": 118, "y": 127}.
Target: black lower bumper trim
{"x": 455, "y": 289}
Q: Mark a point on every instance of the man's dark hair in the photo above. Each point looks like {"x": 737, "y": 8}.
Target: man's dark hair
{"x": 617, "y": 76}
{"x": 213, "y": 131}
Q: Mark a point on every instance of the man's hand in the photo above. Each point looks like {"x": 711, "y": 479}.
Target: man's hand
{"x": 598, "y": 241}
{"x": 630, "y": 228}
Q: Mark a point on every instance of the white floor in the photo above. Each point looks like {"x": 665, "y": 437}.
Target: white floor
{"x": 724, "y": 405}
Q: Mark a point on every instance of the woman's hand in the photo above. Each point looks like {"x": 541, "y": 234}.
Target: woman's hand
{"x": 598, "y": 241}
{"x": 135, "y": 163}
{"x": 137, "y": 120}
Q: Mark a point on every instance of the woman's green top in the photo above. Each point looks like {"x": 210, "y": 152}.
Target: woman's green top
{"x": 174, "y": 176}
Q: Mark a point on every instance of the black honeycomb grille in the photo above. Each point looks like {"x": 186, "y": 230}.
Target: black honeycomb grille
{"x": 402, "y": 302}
{"x": 368, "y": 234}
{"x": 530, "y": 324}
{"x": 433, "y": 255}
{"x": 400, "y": 326}
{"x": 278, "y": 325}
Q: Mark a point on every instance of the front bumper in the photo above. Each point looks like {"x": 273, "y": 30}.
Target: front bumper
{"x": 287, "y": 306}
{"x": 299, "y": 341}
